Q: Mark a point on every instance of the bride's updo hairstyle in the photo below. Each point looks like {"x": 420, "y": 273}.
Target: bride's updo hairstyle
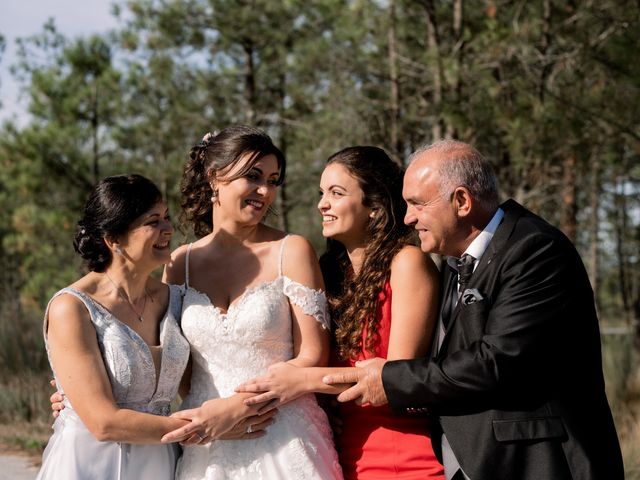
{"x": 213, "y": 158}
{"x": 353, "y": 300}
{"x": 113, "y": 206}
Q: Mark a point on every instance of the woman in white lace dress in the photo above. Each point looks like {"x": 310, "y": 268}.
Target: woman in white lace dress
{"x": 114, "y": 343}
{"x": 253, "y": 297}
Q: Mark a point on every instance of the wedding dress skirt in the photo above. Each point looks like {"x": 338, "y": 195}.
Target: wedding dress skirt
{"x": 73, "y": 453}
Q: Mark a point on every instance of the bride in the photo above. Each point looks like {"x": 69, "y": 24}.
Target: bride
{"x": 253, "y": 297}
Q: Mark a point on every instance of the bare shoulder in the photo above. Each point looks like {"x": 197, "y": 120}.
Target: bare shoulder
{"x": 298, "y": 249}
{"x": 66, "y": 313}
{"x": 300, "y": 262}
{"x": 410, "y": 260}
{"x": 298, "y": 243}
{"x": 174, "y": 270}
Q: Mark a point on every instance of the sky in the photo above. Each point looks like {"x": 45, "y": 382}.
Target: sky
{"x": 22, "y": 18}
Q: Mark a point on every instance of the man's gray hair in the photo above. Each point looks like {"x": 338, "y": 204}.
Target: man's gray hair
{"x": 466, "y": 167}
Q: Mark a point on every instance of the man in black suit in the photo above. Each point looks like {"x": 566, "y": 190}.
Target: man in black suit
{"x": 514, "y": 382}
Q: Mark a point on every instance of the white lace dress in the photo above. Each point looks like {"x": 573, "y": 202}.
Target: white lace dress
{"x": 230, "y": 348}
{"x": 73, "y": 453}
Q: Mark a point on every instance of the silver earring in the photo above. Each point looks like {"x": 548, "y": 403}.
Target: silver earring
{"x": 214, "y": 196}
{"x": 119, "y": 250}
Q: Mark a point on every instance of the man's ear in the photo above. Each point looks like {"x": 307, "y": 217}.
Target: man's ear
{"x": 462, "y": 201}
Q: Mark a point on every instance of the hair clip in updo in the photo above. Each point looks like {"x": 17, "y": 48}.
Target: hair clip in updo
{"x": 206, "y": 140}
{"x": 208, "y": 137}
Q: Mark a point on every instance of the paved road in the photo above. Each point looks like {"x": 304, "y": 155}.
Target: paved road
{"x": 16, "y": 468}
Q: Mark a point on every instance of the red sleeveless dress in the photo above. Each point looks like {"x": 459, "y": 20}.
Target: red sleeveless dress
{"x": 375, "y": 444}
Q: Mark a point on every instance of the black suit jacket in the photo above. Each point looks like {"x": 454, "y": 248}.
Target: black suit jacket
{"x": 517, "y": 384}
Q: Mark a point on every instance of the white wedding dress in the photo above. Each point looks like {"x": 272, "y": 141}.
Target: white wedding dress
{"x": 230, "y": 348}
{"x": 73, "y": 453}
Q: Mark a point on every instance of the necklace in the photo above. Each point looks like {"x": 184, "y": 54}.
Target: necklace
{"x": 126, "y": 299}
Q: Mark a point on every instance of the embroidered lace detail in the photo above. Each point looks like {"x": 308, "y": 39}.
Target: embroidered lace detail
{"x": 313, "y": 302}
{"x": 229, "y": 348}
{"x": 128, "y": 359}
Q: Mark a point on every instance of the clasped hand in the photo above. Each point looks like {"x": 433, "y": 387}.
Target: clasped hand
{"x": 282, "y": 383}
{"x": 368, "y": 388}
{"x": 218, "y": 419}
{"x": 285, "y": 382}
{"x": 213, "y": 419}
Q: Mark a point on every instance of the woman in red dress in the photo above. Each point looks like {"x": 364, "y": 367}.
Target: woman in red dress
{"x": 382, "y": 294}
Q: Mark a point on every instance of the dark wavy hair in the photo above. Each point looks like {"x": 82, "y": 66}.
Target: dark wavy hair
{"x": 112, "y": 207}
{"x": 353, "y": 299}
{"x": 216, "y": 155}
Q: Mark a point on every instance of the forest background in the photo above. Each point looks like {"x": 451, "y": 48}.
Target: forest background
{"x": 548, "y": 90}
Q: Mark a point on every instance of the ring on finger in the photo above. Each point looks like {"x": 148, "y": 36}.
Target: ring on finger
{"x": 249, "y": 429}
{"x": 200, "y": 436}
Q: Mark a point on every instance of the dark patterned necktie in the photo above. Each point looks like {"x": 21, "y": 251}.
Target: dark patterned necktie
{"x": 465, "y": 270}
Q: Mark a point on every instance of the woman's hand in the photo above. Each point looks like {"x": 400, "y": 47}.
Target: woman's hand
{"x": 282, "y": 383}
{"x": 211, "y": 420}
{"x": 249, "y": 428}
{"x": 56, "y": 400}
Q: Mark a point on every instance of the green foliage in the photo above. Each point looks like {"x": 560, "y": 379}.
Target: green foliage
{"x": 549, "y": 91}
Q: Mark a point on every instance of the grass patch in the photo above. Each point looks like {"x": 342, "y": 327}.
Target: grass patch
{"x": 28, "y": 438}
{"x": 621, "y": 367}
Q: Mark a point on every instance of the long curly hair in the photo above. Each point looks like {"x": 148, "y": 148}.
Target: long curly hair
{"x": 353, "y": 299}
{"x": 214, "y": 157}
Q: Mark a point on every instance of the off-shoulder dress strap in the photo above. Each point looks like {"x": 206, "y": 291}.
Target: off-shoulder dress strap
{"x": 282, "y": 242}
{"x": 186, "y": 266}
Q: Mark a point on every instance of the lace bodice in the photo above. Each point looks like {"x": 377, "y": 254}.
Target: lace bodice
{"x": 229, "y": 348}
{"x": 128, "y": 358}
{"x": 255, "y": 332}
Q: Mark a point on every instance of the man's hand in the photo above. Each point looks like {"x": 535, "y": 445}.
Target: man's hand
{"x": 368, "y": 389}
{"x": 56, "y": 400}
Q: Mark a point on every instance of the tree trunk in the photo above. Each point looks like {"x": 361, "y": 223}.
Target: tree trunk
{"x": 433, "y": 42}
{"x": 636, "y": 330}
{"x": 95, "y": 121}
{"x": 569, "y": 206}
{"x": 544, "y": 47}
{"x": 394, "y": 120}
{"x": 594, "y": 226}
{"x": 620, "y": 229}
{"x": 249, "y": 84}
{"x": 283, "y": 204}
{"x": 458, "y": 53}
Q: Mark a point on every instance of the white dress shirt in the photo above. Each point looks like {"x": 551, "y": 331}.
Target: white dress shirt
{"x": 476, "y": 249}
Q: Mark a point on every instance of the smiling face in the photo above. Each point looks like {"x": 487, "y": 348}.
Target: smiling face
{"x": 147, "y": 240}
{"x": 432, "y": 214}
{"x": 247, "y": 198}
{"x": 344, "y": 216}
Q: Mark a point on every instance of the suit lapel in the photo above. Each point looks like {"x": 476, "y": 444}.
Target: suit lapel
{"x": 512, "y": 213}
{"x": 446, "y": 280}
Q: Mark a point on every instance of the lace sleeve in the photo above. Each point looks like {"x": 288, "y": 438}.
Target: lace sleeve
{"x": 312, "y": 302}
